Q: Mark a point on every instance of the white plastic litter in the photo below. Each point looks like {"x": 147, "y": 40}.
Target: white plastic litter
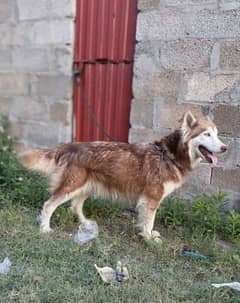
{"x": 86, "y": 232}
{"x": 233, "y": 285}
{"x": 113, "y": 276}
{"x": 5, "y": 266}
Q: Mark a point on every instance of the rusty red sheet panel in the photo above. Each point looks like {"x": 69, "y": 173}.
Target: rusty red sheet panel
{"x": 104, "y": 50}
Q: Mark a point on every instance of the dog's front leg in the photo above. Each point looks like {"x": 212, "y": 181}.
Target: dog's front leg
{"x": 147, "y": 209}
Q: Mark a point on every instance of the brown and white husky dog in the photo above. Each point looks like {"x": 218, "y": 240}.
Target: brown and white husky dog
{"x": 144, "y": 172}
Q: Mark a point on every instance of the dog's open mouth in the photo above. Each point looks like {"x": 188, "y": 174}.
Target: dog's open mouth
{"x": 209, "y": 156}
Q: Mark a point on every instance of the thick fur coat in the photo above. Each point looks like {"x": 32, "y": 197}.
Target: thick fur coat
{"x": 143, "y": 172}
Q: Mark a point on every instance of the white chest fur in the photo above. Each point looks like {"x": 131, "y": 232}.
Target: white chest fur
{"x": 169, "y": 187}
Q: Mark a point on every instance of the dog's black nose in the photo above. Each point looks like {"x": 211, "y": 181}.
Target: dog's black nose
{"x": 223, "y": 148}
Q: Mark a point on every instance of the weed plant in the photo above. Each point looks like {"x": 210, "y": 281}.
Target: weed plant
{"x": 18, "y": 185}
{"x": 207, "y": 215}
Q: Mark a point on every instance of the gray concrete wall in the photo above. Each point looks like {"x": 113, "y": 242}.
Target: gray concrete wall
{"x": 188, "y": 58}
{"x": 36, "y": 55}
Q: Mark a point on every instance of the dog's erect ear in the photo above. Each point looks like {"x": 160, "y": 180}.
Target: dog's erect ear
{"x": 188, "y": 120}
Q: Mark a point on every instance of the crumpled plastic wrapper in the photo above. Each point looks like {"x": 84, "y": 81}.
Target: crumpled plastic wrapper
{"x": 233, "y": 285}
{"x": 87, "y": 231}
{"x": 5, "y": 266}
{"x": 113, "y": 276}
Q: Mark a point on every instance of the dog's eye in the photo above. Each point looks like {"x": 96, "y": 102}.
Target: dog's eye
{"x": 207, "y": 134}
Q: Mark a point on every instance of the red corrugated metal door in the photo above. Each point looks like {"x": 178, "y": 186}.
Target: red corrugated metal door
{"x": 103, "y": 66}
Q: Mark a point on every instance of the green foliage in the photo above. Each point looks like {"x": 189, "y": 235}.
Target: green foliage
{"x": 16, "y": 183}
{"x": 207, "y": 215}
{"x": 53, "y": 268}
{"x": 208, "y": 212}
{"x": 173, "y": 212}
{"x": 212, "y": 216}
{"x": 233, "y": 224}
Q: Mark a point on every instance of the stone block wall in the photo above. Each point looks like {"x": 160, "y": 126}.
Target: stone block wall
{"x": 36, "y": 55}
{"x": 188, "y": 58}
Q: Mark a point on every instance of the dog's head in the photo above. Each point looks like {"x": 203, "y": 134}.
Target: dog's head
{"x": 201, "y": 136}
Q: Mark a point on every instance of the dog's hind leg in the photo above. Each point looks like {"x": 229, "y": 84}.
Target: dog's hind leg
{"x": 146, "y": 215}
{"x": 77, "y": 206}
{"x": 48, "y": 209}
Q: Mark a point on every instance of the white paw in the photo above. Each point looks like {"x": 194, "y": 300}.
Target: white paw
{"x": 155, "y": 234}
{"x": 145, "y": 235}
{"x": 45, "y": 229}
{"x": 156, "y": 237}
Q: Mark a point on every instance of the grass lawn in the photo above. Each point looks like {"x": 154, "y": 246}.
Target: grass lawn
{"x": 53, "y": 268}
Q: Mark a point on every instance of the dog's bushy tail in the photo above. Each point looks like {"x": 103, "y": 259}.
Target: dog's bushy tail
{"x": 42, "y": 160}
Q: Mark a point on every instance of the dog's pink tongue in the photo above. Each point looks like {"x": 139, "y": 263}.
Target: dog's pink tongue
{"x": 214, "y": 159}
